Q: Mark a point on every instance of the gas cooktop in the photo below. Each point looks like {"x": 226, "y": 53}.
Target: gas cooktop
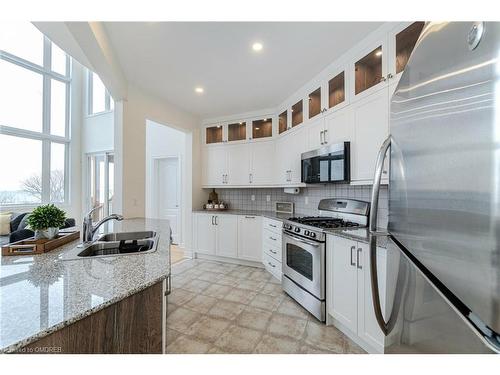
{"x": 324, "y": 222}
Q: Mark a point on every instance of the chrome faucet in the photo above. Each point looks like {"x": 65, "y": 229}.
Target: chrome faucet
{"x": 89, "y": 228}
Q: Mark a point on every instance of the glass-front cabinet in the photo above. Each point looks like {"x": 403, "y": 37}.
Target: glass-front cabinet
{"x": 262, "y": 128}
{"x": 404, "y": 39}
{"x": 336, "y": 90}
{"x": 297, "y": 114}
{"x": 283, "y": 122}
{"x": 368, "y": 71}
{"x": 315, "y": 102}
{"x": 214, "y": 134}
{"x": 237, "y": 131}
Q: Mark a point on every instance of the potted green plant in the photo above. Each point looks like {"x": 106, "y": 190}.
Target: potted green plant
{"x": 45, "y": 221}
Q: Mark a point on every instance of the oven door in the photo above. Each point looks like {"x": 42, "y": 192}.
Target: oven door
{"x": 304, "y": 263}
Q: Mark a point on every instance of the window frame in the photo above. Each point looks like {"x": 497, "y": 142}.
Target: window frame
{"x": 45, "y": 135}
{"x": 90, "y": 94}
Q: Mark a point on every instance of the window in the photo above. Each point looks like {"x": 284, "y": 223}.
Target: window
{"x": 101, "y": 184}
{"x": 34, "y": 117}
{"x": 99, "y": 99}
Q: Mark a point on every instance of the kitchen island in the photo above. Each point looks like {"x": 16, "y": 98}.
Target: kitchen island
{"x": 112, "y": 304}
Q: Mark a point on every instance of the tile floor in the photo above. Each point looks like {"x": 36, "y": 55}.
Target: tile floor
{"x": 224, "y": 308}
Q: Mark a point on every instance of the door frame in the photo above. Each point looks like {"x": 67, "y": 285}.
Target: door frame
{"x": 155, "y": 163}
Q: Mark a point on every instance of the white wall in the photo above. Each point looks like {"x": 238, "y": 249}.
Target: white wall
{"x": 163, "y": 141}
{"x": 98, "y": 132}
{"x": 130, "y": 151}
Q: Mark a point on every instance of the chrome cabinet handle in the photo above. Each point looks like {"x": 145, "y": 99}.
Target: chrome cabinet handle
{"x": 321, "y": 137}
{"x": 272, "y": 265}
{"x": 325, "y": 132}
{"x": 379, "y": 165}
{"x": 360, "y": 250}
{"x": 249, "y": 217}
{"x": 213, "y": 220}
{"x": 272, "y": 251}
{"x": 272, "y": 225}
{"x": 272, "y": 238}
{"x": 352, "y": 258}
{"x": 390, "y": 75}
{"x": 383, "y": 79}
{"x": 216, "y": 223}
{"x": 251, "y": 177}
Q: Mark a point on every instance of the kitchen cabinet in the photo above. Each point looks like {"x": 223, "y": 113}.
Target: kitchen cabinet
{"x": 214, "y": 134}
{"x": 238, "y": 164}
{"x": 283, "y": 122}
{"x": 315, "y": 103}
{"x": 262, "y": 128}
{"x": 216, "y": 234}
{"x": 288, "y": 152}
{"x": 371, "y": 128}
{"x": 262, "y": 170}
{"x": 250, "y": 238}
{"x": 271, "y": 246}
{"x": 237, "y": 131}
{"x": 214, "y": 165}
{"x": 402, "y": 41}
{"x": 332, "y": 128}
{"x": 297, "y": 113}
{"x": 336, "y": 90}
{"x": 349, "y": 297}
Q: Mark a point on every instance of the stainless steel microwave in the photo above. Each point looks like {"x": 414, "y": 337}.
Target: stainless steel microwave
{"x": 328, "y": 164}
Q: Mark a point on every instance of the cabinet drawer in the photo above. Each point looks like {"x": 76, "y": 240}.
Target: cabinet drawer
{"x": 272, "y": 225}
{"x": 271, "y": 238}
{"x": 272, "y": 251}
{"x": 272, "y": 266}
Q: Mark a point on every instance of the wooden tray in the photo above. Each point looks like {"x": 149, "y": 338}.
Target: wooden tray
{"x": 216, "y": 209}
{"x": 31, "y": 246}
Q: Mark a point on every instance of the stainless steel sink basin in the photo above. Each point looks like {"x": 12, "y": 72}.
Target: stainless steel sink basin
{"x": 116, "y": 244}
{"x": 126, "y": 236}
{"x": 117, "y": 248}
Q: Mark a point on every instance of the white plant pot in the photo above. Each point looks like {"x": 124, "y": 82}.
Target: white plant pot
{"x": 48, "y": 233}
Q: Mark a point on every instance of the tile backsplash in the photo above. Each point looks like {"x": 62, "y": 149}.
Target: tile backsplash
{"x": 306, "y": 202}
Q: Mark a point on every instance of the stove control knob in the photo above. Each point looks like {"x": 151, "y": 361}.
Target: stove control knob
{"x": 312, "y": 234}
{"x": 297, "y": 229}
{"x": 306, "y": 233}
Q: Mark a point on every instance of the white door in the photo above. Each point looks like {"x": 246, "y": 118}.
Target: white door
{"x": 371, "y": 128}
{"x": 282, "y": 162}
{"x": 214, "y": 166}
{"x": 205, "y": 233}
{"x": 168, "y": 193}
{"x": 315, "y": 134}
{"x": 344, "y": 305}
{"x": 250, "y": 238}
{"x": 238, "y": 164}
{"x": 227, "y": 235}
{"x": 263, "y": 158}
{"x": 368, "y": 328}
{"x": 296, "y": 146}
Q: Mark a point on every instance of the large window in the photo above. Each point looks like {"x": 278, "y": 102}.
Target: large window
{"x": 100, "y": 188}
{"x": 98, "y": 98}
{"x": 34, "y": 117}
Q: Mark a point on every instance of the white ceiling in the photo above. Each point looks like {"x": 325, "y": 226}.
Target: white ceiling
{"x": 170, "y": 59}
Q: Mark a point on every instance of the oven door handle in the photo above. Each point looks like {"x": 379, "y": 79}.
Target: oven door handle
{"x": 298, "y": 239}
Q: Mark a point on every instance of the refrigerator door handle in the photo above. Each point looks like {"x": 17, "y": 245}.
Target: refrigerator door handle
{"x": 379, "y": 166}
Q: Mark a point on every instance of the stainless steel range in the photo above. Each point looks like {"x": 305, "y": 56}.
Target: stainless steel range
{"x": 304, "y": 249}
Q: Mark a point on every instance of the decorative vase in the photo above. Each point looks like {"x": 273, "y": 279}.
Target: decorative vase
{"x": 48, "y": 233}
{"x": 213, "y": 197}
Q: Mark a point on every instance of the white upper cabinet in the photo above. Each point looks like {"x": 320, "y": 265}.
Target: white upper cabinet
{"x": 401, "y": 42}
{"x": 288, "y": 157}
{"x": 369, "y": 69}
{"x": 371, "y": 128}
{"x": 214, "y": 165}
{"x": 214, "y": 134}
{"x": 238, "y": 164}
{"x": 262, "y": 170}
{"x": 316, "y": 134}
{"x": 237, "y": 131}
{"x": 339, "y": 126}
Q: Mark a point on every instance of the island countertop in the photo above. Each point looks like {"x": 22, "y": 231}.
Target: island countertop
{"x": 40, "y": 294}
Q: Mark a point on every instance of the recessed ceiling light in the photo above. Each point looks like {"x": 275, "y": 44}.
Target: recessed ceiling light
{"x": 378, "y": 53}
{"x": 257, "y": 46}
{"x": 199, "y": 90}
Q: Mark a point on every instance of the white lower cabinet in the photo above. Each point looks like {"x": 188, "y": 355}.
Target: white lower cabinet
{"x": 205, "y": 233}
{"x": 271, "y": 246}
{"x": 250, "y": 237}
{"x": 349, "y": 296}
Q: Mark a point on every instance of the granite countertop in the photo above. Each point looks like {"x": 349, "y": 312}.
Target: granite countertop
{"x": 362, "y": 235}
{"x": 40, "y": 294}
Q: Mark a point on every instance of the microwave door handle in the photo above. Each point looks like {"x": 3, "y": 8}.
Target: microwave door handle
{"x": 379, "y": 166}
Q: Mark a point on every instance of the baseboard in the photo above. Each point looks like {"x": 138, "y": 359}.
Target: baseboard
{"x": 217, "y": 258}
{"x": 354, "y": 337}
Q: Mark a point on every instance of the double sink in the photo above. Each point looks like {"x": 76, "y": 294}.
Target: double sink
{"x": 114, "y": 244}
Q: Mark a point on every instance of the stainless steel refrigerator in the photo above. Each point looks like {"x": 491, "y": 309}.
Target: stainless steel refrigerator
{"x": 443, "y": 282}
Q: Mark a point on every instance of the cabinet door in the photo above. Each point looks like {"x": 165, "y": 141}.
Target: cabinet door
{"x": 205, "y": 234}
{"x": 250, "y": 238}
{"x": 282, "y": 163}
{"x": 339, "y": 126}
{"x": 315, "y": 133}
{"x": 371, "y": 128}
{"x": 263, "y": 163}
{"x": 296, "y": 146}
{"x": 368, "y": 328}
{"x": 214, "y": 165}
{"x": 344, "y": 282}
{"x": 238, "y": 164}
{"x": 401, "y": 42}
{"x": 227, "y": 235}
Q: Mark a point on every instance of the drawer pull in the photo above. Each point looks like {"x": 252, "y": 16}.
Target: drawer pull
{"x": 272, "y": 238}
{"x": 272, "y": 251}
{"x": 273, "y": 225}
{"x": 272, "y": 265}
{"x": 249, "y": 217}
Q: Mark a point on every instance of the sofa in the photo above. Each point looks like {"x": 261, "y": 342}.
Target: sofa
{"x": 18, "y": 230}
